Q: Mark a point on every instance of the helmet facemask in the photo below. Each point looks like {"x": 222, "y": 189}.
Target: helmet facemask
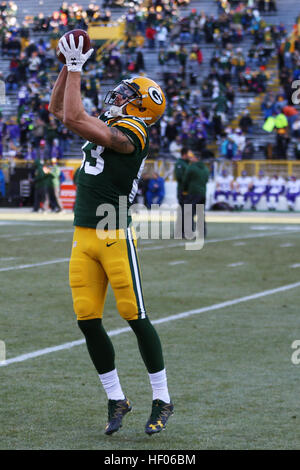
{"x": 120, "y": 97}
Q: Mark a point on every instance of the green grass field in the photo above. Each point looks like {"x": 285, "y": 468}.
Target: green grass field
{"x": 229, "y": 368}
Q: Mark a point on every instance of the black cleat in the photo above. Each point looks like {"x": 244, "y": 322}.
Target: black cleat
{"x": 117, "y": 409}
{"x": 160, "y": 414}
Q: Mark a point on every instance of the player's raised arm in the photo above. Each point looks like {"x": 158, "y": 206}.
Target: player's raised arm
{"x": 75, "y": 117}
{"x": 90, "y": 128}
{"x": 56, "y": 105}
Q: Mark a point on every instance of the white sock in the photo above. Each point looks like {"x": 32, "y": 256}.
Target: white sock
{"x": 111, "y": 385}
{"x": 159, "y": 386}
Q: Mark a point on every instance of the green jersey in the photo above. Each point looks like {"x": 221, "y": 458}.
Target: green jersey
{"x": 106, "y": 175}
{"x": 196, "y": 178}
{"x": 180, "y": 169}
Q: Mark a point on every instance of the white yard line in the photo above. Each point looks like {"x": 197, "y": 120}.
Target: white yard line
{"x": 34, "y": 234}
{"x": 218, "y": 240}
{"x": 235, "y": 265}
{"x": 178, "y": 316}
{"x": 296, "y": 265}
{"x": 148, "y": 248}
{"x": 287, "y": 228}
{"x": 26, "y": 266}
{"x": 174, "y": 263}
{"x": 15, "y": 222}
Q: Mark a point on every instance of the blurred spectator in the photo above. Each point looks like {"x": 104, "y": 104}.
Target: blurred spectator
{"x": 224, "y": 185}
{"x": 276, "y": 187}
{"x": 194, "y": 185}
{"x": 56, "y": 180}
{"x": 296, "y": 127}
{"x": 2, "y": 133}
{"x": 155, "y": 190}
{"x": 161, "y": 36}
{"x": 292, "y": 192}
{"x": 176, "y": 147}
{"x": 242, "y": 187}
{"x": 150, "y": 35}
{"x": 246, "y": 122}
{"x": 2, "y": 184}
{"x": 180, "y": 170}
{"x": 228, "y": 148}
{"x": 259, "y": 189}
{"x": 39, "y": 186}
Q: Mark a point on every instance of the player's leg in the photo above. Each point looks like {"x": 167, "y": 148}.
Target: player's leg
{"x": 217, "y": 194}
{"x": 179, "y": 225}
{"x": 242, "y": 199}
{"x": 160, "y": 196}
{"x": 122, "y": 268}
{"x": 149, "y": 199}
{"x": 270, "y": 201}
{"x": 276, "y": 202}
{"x": 255, "y": 198}
{"x": 89, "y": 282}
{"x": 291, "y": 200}
{"x": 247, "y": 195}
{"x": 235, "y": 197}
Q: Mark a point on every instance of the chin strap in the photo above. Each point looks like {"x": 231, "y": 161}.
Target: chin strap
{"x": 116, "y": 111}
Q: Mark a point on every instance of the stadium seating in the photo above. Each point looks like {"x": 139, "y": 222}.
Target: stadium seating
{"x": 244, "y": 99}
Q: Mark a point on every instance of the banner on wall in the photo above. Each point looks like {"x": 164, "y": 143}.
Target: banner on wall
{"x": 67, "y": 188}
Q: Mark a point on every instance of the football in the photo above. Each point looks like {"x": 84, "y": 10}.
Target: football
{"x": 76, "y": 33}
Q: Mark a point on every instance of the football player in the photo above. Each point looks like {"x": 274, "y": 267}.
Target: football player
{"x": 259, "y": 189}
{"x": 275, "y": 189}
{"x": 292, "y": 192}
{"x": 224, "y": 185}
{"x": 242, "y": 187}
{"x": 114, "y": 154}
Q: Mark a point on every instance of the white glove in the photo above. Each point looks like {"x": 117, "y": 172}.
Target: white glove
{"x": 75, "y": 59}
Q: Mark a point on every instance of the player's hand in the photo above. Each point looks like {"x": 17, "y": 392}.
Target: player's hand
{"x": 75, "y": 59}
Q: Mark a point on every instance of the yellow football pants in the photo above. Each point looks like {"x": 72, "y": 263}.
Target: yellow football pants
{"x": 95, "y": 262}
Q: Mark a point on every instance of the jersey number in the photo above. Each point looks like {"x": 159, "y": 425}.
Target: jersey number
{"x": 99, "y": 162}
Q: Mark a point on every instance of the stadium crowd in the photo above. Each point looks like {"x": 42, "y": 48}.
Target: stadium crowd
{"x": 200, "y": 108}
{"x": 201, "y": 100}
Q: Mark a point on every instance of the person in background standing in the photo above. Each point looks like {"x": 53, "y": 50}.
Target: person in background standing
{"x": 39, "y": 186}
{"x": 55, "y": 172}
{"x": 180, "y": 169}
{"x": 194, "y": 184}
{"x": 2, "y": 184}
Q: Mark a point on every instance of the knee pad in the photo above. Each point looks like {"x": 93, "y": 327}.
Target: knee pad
{"x": 127, "y": 309}
{"x": 84, "y": 308}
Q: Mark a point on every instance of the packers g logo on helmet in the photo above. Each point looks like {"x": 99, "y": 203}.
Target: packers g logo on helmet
{"x": 156, "y": 95}
{"x": 142, "y": 97}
